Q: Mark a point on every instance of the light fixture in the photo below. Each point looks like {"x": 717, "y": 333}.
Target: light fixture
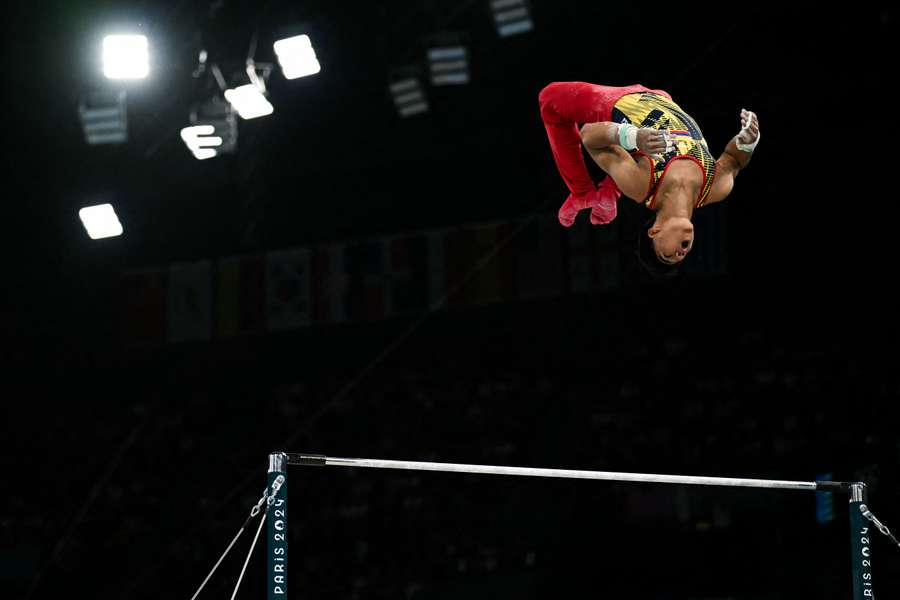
{"x": 100, "y": 221}
{"x": 511, "y": 17}
{"x": 409, "y": 98}
{"x": 297, "y": 57}
{"x": 249, "y": 102}
{"x": 103, "y": 118}
{"x": 200, "y": 141}
{"x": 449, "y": 65}
{"x": 125, "y": 57}
{"x": 213, "y": 129}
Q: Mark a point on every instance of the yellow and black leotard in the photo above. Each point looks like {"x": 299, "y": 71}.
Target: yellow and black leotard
{"x": 658, "y": 112}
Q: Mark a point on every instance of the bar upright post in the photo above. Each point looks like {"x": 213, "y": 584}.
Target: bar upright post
{"x": 276, "y": 534}
{"x": 860, "y": 538}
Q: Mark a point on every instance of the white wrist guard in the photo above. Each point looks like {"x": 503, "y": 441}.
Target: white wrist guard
{"x": 628, "y": 136}
{"x": 747, "y": 147}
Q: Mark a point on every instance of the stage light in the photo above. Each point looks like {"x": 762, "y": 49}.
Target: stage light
{"x": 100, "y": 221}
{"x": 200, "y": 140}
{"x": 125, "y": 57}
{"x": 297, "y": 57}
{"x": 213, "y": 129}
{"x": 249, "y": 102}
{"x": 200, "y": 136}
{"x": 204, "y": 153}
{"x": 449, "y": 65}
{"x": 103, "y": 118}
{"x": 511, "y": 17}
{"x": 409, "y": 97}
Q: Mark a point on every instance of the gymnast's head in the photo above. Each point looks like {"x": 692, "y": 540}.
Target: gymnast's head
{"x": 672, "y": 238}
{"x": 663, "y": 243}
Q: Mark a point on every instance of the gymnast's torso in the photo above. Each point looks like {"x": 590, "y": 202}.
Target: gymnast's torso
{"x": 649, "y": 110}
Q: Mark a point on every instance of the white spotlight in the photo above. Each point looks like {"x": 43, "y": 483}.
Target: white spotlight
{"x": 297, "y": 57}
{"x": 449, "y": 65}
{"x": 125, "y": 57}
{"x": 200, "y": 140}
{"x": 100, "y": 221}
{"x": 204, "y": 153}
{"x": 200, "y": 136}
{"x": 213, "y": 129}
{"x": 409, "y": 97}
{"x": 249, "y": 102}
{"x": 511, "y": 17}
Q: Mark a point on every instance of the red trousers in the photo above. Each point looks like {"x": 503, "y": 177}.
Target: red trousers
{"x": 563, "y": 105}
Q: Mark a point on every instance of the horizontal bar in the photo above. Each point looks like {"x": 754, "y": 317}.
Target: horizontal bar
{"x": 319, "y": 460}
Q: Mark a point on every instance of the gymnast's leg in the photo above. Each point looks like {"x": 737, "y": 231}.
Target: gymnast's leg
{"x": 563, "y": 105}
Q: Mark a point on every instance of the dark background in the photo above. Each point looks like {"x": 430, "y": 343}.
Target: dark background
{"x": 128, "y": 469}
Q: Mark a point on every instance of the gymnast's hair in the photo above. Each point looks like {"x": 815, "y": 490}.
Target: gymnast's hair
{"x": 648, "y": 259}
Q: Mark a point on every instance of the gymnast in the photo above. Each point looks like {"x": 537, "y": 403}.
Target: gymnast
{"x": 646, "y": 144}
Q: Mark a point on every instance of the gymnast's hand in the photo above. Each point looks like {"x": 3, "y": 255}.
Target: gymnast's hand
{"x": 652, "y": 141}
{"x": 749, "y": 134}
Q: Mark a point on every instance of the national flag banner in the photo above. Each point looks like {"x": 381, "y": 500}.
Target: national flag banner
{"x": 330, "y": 284}
{"x": 540, "y": 264}
{"x": 189, "y": 302}
{"x": 143, "y": 307}
{"x": 508, "y": 260}
{"x": 437, "y": 277}
{"x": 288, "y": 296}
{"x": 240, "y": 296}
{"x": 228, "y": 275}
{"x": 460, "y": 254}
{"x": 470, "y": 265}
{"x": 487, "y": 278}
{"x": 369, "y": 295}
{"x": 408, "y": 274}
{"x": 251, "y": 295}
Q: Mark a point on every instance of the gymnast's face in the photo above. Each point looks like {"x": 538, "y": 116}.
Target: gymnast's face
{"x": 672, "y": 239}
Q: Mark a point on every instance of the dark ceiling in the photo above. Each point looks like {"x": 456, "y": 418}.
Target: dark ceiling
{"x": 334, "y": 161}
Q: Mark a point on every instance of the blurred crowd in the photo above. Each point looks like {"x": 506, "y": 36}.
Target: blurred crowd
{"x": 154, "y": 475}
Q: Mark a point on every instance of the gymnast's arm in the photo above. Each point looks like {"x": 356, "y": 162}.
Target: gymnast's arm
{"x": 597, "y": 136}
{"x": 733, "y": 160}
{"x": 601, "y": 140}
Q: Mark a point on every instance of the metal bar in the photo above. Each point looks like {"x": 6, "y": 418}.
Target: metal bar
{"x": 859, "y": 527}
{"x": 318, "y": 460}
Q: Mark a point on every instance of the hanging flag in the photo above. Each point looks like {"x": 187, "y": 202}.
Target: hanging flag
{"x": 408, "y": 274}
{"x": 437, "y": 276}
{"x": 459, "y": 256}
{"x": 189, "y": 302}
{"x": 288, "y": 298}
{"x": 240, "y": 296}
{"x": 369, "y": 295}
{"x": 481, "y": 263}
{"x": 228, "y": 273}
{"x": 539, "y": 264}
{"x": 330, "y": 284}
{"x": 485, "y": 273}
{"x": 143, "y": 305}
